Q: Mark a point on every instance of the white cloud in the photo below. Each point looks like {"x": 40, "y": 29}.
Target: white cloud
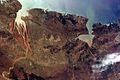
{"x": 106, "y": 61}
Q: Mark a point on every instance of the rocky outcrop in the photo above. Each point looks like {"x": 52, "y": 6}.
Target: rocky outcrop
{"x": 80, "y": 59}
{"x": 105, "y": 38}
{"x": 106, "y": 41}
{"x": 18, "y": 73}
{"x": 9, "y": 49}
{"x": 58, "y": 55}
{"x": 5, "y": 61}
{"x": 49, "y": 31}
{"x": 112, "y": 73}
{"x": 8, "y": 12}
{"x": 57, "y": 24}
{"x": 78, "y": 51}
{"x": 49, "y": 34}
{"x": 73, "y": 61}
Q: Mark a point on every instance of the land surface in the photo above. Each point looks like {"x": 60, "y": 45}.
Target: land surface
{"x": 57, "y": 53}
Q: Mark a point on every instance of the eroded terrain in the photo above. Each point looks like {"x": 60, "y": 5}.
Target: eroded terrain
{"x": 57, "y": 53}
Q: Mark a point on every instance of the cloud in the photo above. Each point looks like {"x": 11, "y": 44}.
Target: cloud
{"x": 106, "y": 61}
